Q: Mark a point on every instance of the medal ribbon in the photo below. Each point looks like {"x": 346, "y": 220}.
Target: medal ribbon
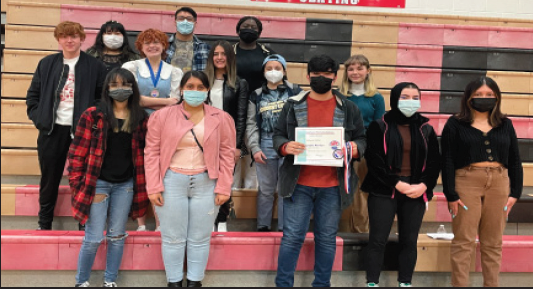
{"x": 155, "y": 79}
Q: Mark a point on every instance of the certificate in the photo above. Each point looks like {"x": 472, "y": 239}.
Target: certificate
{"x": 323, "y": 146}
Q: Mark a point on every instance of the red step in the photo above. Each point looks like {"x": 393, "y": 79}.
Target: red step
{"x": 58, "y": 250}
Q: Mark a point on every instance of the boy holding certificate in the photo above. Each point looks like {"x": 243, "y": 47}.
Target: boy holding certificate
{"x": 309, "y": 189}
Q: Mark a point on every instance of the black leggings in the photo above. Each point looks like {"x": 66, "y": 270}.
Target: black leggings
{"x": 381, "y": 211}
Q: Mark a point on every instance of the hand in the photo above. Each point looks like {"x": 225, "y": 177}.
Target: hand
{"x": 237, "y": 155}
{"x": 295, "y": 148}
{"x": 416, "y": 191}
{"x": 402, "y": 187}
{"x": 172, "y": 101}
{"x": 510, "y": 203}
{"x": 221, "y": 199}
{"x": 260, "y": 157}
{"x": 454, "y": 207}
{"x": 157, "y": 199}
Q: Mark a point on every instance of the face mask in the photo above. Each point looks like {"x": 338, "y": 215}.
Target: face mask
{"x": 409, "y": 106}
{"x": 483, "y": 104}
{"x": 274, "y": 76}
{"x": 248, "y": 35}
{"x": 185, "y": 27}
{"x": 194, "y": 98}
{"x": 120, "y": 94}
{"x": 113, "y": 41}
{"x": 321, "y": 84}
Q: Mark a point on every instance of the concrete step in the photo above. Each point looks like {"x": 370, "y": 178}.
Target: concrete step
{"x": 244, "y": 279}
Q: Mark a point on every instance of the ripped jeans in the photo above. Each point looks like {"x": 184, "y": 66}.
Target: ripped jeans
{"x": 187, "y": 219}
{"x": 111, "y": 207}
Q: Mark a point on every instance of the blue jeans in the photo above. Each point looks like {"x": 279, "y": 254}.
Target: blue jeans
{"x": 113, "y": 211}
{"x": 325, "y": 205}
{"x": 267, "y": 177}
{"x": 187, "y": 219}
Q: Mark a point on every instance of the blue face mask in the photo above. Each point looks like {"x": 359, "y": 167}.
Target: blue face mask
{"x": 194, "y": 98}
{"x": 409, "y": 106}
{"x": 185, "y": 27}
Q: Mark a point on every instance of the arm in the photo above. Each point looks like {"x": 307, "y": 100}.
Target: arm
{"x": 176, "y": 76}
{"x": 449, "y": 147}
{"x": 281, "y": 135}
{"x": 252, "y": 131}
{"x": 379, "y": 109}
{"x": 152, "y": 152}
{"x": 358, "y": 134}
{"x": 515, "y": 169}
{"x": 157, "y": 103}
{"x": 376, "y": 159}
{"x": 433, "y": 163}
{"x": 34, "y": 93}
{"x": 102, "y": 73}
{"x": 242, "y": 112}
{"x": 79, "y": 151}
{"x": 227, "y": 154}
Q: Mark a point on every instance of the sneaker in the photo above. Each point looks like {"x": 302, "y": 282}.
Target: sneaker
{"x": 81, "y": 227}
{"x": 405, "y": 285}
{"x": 263, "y": 229}
{"x": 141, "y": 228}
{"x": 222, "y": 227}
{"x": 84, "y": 284}
{"x": 110, "y": 284}
{"x": 372, "y": 285}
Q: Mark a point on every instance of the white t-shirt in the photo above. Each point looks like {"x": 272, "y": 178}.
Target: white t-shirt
{"x": 217, "y": 94}
{"x": 65, "y": 110}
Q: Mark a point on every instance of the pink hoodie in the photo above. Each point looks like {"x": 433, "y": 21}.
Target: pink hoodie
{"x": 167, "y": 126}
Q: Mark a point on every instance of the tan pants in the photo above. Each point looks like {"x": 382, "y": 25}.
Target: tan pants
{"x": 485, "y": 192}
{"x": 359, "y": 209}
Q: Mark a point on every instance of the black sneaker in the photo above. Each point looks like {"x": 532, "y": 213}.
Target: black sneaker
{"x": 263, "y": 229}
{"x": 42, "y": 228}
{"x": 81, "y": 227}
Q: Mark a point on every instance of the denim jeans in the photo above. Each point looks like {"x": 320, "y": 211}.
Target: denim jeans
{"x": 267, "y": 177}
{"x": 324, "y": 204}
{"x": 187, "y": 218}
{"x": 113, "y": 211}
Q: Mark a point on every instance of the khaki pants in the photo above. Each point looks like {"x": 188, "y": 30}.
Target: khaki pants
{"x": 485, "y": 192}
{"x": 359, "y": 209}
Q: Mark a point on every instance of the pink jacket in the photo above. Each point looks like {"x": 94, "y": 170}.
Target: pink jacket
{"x": 167, "y": 126}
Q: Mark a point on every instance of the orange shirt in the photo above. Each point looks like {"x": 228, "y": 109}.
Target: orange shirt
{"x": 319, "y": 114}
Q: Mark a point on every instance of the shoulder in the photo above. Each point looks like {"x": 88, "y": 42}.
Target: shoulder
{"x": 377, "y": 96}
{"x": 134, "y": 65}
{"x": 53, "y": 58}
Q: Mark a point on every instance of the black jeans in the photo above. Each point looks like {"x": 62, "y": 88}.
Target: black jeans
{"x": 381, "y": 211}
{"x": 52, "y": 151}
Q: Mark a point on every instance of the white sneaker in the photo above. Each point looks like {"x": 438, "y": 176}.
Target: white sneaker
{"x": 372, "y": 285}
{"x": 110, "y": 284}
{"x": 85, "y": 284}
{"x": 222, "y": 227}
{"x": 405, "y": 285}
{"x": 141, "y": 228}
{"x": 158, "y": 229}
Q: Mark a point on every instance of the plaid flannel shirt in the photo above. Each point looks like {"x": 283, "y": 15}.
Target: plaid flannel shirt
{"x": 86, "y": 156}
{"x": 201, "y": 52}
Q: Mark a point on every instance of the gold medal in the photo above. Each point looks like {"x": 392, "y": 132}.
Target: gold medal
{"x": 154, "y": 93}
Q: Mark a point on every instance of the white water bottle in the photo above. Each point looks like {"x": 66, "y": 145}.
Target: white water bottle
{"x": 441, "y": 230}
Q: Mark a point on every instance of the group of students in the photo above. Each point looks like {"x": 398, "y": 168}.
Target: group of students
{"x": 169, "y": 128}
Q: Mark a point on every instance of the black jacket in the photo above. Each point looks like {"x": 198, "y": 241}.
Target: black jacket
{"x": 236, "y": 104}
{"x": 381, "y": 180}
{"x": 49, "y": 79}
{"x": 285, "y": 132}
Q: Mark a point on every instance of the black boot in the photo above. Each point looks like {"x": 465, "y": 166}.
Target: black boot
{"x": 194, "y": 283}
{"x": 175, "y": 284}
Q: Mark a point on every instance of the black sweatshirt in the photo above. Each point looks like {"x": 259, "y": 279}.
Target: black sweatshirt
{"x": 463, "y": 144}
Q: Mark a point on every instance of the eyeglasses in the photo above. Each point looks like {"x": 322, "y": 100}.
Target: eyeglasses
{"x": 120, "y": 85}
{"x": 188, "y": 18}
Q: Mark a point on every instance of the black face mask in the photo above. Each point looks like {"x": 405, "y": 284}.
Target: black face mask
{"x": 321, "y": 84}
{"x": 483, "y": 104}
{"x": 248, "y": 35}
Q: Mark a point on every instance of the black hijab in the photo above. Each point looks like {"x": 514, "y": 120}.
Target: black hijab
{"x": 393, "y": 138}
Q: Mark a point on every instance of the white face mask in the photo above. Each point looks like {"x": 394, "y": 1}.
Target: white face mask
{"x": 113, "y": 41}
{"x": 274, "y": 76}
{"x": 409, "y": 106}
